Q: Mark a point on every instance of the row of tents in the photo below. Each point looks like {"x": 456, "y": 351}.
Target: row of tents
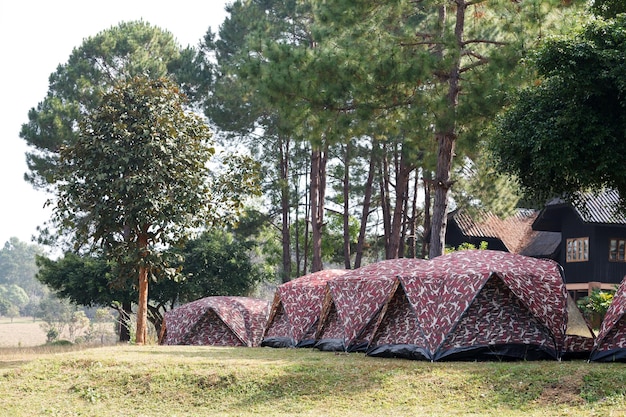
{"x": 466, "y": 305}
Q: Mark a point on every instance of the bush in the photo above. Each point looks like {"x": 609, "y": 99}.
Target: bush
{"x": 596, "y": 304}
{"x": 60, "y": 342}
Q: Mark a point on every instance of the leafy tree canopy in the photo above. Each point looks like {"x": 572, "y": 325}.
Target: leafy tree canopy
{"x": 76, "y": 87}
{"x": 566, "y": 134}
{"x": 18, "y": 265}
{"x": 215, "y": 263}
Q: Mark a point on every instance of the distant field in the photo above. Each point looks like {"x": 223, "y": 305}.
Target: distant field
{"x": 22, "y": 332}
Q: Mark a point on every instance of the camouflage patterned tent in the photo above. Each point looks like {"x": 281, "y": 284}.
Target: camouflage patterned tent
{"x": 296, "y": 310}
{"x": 610, "y": 344}
{"x": 219, "y": 321}
{"x": 475, "y": 305}
{"x": 353, "y": 301}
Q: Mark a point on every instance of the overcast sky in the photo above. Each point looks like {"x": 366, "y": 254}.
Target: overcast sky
{"x": 35, "y": 37}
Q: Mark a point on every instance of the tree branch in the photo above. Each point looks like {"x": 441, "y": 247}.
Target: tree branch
{"x": 487, "y": 41}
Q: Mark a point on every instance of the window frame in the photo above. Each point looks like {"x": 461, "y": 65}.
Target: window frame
{"x": 619, "y": 249}
{"x": 577, "y": 249}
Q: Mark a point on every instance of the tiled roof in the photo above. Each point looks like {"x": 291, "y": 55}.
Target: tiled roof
{"x": 601, "y": 208}
{"x": 515, "y": 231}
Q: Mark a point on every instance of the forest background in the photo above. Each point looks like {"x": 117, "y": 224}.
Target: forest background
{"x": 361, "y": 159}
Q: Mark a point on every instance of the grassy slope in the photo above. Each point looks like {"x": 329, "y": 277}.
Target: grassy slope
{"x": 207, "y": 381}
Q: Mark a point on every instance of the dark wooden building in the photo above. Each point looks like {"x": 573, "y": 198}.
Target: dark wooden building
{"x": 592, "y": 250}
{"x": 587, "y": 239}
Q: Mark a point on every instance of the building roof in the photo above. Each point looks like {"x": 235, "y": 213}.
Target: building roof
{"x": 515, "y": 231}
{"x": 596, "y": 208}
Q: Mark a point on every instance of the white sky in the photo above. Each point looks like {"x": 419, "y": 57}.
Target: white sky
{"x": 35, "y": 37}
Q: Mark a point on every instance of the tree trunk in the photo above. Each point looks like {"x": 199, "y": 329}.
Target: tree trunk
{"x": 346, "y": 208}
{"x": 124, "y": 313}
{"x": 442, "y": 185}
{"x": 366, "y": 206}
{"x": 402, "y": 183}
{"x": 156, "y": 318}
{"x": 412, "y": 221}
{"x": 427, "y": 180}
{"x": 446, "y": 137}
{"x": 385, "y": 201}
{"x": 142, "y": 305}
{"x": 285, "y": 209}
{"x": 318, "y": 183}
{"x": 307, "y": 225}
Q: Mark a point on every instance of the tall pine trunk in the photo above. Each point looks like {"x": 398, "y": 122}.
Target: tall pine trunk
{"x": 318, "y": 189}
{"x": 385, "y": 200}
{"x": 367, "y": 199}
{"x": 442, "y": 185}
{"x": 402, "y": 171}
{"x": 446, "y": 137}
{"x": 285, "y": 209}
{"x": 346, "y": 208}
{"x": 412, "y": 220}
{"x": 428, "y": 182}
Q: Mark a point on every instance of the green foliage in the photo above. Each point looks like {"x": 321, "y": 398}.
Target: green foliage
{"x": 608, "y": 8}
{"x": 85, "y": 280}
{"x": 217, "y": 263}
{"x": 138, "y": 169}
{"x": 596, "y": 303}
{"x": 76, "y": 87}
{"x": 479, "y": 186}
{"x": 566, "y": 134}
{"x": 468, "y": 246}
{"x": 56, "y": 315}
{"x": 5, "y": 305}
{"x": 14, "y": 294}
{"x": 18, "y": 266}
{"x": 52, "y": 335}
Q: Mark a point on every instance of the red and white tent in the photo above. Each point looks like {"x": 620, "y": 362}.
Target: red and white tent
{"x": 296, "y": 310}
{"x": 475, "y": 305}
{"x": 610, "y": 344}
{"x": 353, "y": 302}
{"x": 218, "y": 321}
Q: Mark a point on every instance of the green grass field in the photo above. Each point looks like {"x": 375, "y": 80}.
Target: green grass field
{"x": 209, "y": 381}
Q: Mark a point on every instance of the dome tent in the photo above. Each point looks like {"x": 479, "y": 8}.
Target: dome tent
{"x": 475, "y": 305}
{"x": 218, "y": 321}
{"x": 296, "y": 310}
{"x": 353, "y": 301}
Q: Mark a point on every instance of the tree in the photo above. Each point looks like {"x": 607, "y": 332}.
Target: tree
{"x": 76, "y": 87}
{"x": 89, "y": 281}
{"x": 239, "y": 106}
{"x": 14, "y": 294}
{"x": 217, "y": 263}
{"x": 135, "y": 178}
{"x": 18, "y": 266}
{"x": 566, "y": 134}
{"x": 56, "y": 315}
{"x": 448, "y": 63}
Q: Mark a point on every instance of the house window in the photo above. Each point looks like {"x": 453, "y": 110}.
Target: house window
{"x": 578, "y": 249}
{"x": 617, "y": 250}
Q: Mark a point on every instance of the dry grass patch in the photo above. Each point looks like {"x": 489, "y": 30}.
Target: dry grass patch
{"x": 21, "y": 332}
{"x": 207, "y": 381}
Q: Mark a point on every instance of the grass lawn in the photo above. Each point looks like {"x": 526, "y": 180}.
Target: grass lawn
{"x": 210, "y": 381}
